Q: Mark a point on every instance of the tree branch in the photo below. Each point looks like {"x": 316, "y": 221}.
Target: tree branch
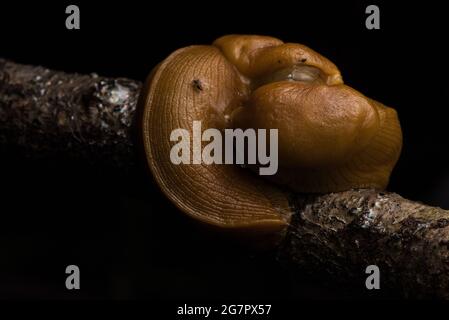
{"x": 342, "y": 233}
{"x": 43, "y": 112}
{"x": 82, "y": 116}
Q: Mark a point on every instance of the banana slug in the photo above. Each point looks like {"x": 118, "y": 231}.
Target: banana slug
{"x": 331, "y": 137}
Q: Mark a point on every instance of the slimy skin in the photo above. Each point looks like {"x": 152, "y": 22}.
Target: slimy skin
{"x": 331, "y": 137}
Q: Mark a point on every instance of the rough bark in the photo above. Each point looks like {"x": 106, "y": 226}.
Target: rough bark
{"x": 43, "y": 112}
{"x": 340, "y": 234}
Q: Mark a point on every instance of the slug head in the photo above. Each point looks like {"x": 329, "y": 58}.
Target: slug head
{"x": 331, "y": 137}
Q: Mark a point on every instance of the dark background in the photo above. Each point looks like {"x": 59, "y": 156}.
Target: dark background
{"x": 127, "y": 239}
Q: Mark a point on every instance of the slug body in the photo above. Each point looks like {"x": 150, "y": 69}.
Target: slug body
{"x": 331, "y": 137}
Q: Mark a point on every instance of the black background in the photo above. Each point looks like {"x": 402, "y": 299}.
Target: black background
{"x": 127, "y": 239}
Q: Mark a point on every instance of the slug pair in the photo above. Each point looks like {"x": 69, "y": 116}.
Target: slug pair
{"x": 331, "y": 137}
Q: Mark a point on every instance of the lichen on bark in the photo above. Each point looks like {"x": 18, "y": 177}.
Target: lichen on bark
{"x": 343, "y": 233}
{"x": 86, "y": 116}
